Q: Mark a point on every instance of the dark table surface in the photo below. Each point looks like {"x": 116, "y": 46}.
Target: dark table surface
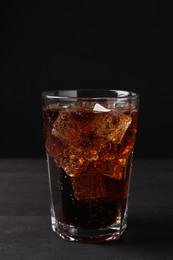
{"x": 25, "y": 230}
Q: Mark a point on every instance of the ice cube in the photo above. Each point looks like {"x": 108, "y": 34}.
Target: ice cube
{"x": 97, "y": 179}
{"x": 88, "y": 187}
{"x": 71, "y": 164}
{"x": 111, "y": 168}
{"x": 73, "y": 127}
{"x": 53, "y": 145}
{"x": 114, "y": 127}
{"x": 76, "y": 130}
{"x": 86, "y": 135}
{"x": 100, "y": 108}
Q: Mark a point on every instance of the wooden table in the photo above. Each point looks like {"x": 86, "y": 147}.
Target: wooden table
{"x": 25, "y": 230}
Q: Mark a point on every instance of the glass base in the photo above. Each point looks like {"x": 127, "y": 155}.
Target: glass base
{"x": 71, "y": 233}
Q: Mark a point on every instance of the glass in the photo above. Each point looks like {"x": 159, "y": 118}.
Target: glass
{"x": 89, "y": 139}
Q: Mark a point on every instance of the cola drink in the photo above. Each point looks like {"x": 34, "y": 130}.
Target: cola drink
{"x": 89, "y": 149}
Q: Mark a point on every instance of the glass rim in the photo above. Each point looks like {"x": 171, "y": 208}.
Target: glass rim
{"x": 68, "y": 94}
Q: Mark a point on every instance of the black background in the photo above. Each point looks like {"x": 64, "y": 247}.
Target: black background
{"x": 125, "y": 45}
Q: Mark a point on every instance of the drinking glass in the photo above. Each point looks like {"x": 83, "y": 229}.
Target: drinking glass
{"x": 89, "y": 139}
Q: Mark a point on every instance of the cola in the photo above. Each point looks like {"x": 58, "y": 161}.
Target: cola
{"x": 89, "y": 149}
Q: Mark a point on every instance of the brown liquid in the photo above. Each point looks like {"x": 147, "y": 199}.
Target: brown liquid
{"x": 89, "y": 173}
